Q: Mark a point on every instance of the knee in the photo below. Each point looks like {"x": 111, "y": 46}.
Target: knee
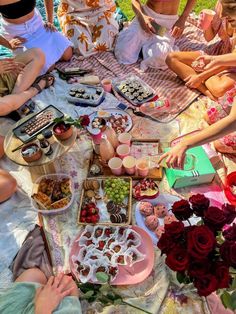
{"x": 219, "y": 89}
{"x": 68, "y": 53}
{"x": 32, "y": 275}
{"x": 8, "y": 185}
{"x": 171, "y": 57}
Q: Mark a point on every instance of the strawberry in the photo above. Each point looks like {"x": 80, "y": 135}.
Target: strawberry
{"x": 131, "y": 237}
{"x": 91, "y": 210}
{"x": 88, "y": 219}
{"x": 112, "y": 270}
{"x": 97, "y": 217}
{"x": 98, "y": 232}
{"x": 87, "y": 234}
{"x": 83, "y": 213}
{"x": 82, "y": 219}
{"x": 93, "y": 219}
{"x": 101, "y": 245}
{"x": 107, "y": 232}
{"x": 121, "y": 231}
{"x": 91, "y": 205}
{"x": 121, "y": 259}
{"x": 89, "y": 242}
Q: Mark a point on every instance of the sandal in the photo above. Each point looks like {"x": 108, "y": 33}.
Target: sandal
{"x": 46, "y": 78}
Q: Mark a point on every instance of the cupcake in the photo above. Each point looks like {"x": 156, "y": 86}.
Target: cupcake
{"x": 169, "y": 219}
{"x": 151, "y": 222}
{"x": 145, "y": 208}
{"x": 159, "y": 230}
{"x": 160, "y": 210}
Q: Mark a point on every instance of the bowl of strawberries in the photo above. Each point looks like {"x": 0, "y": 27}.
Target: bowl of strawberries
{"x": 89, "y": 213}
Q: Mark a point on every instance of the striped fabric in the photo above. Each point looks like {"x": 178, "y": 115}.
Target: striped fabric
{"x": 165, "y": 83}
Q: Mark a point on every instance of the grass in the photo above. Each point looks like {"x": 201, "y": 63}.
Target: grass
{"x": 125, "y": 6}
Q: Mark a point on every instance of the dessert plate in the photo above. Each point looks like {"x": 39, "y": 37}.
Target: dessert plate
{"x": 128, "y": 275}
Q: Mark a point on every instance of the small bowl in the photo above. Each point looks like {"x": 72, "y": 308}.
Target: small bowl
{"x": 230, "y": 180}
{"x": 62, "y": 131}
{"x": 36, "y": 155}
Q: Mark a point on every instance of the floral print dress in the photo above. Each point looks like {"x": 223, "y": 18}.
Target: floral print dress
{"x": 89, "y": 24}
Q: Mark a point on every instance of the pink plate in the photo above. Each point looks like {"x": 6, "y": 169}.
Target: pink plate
{"x": 128, "y": 275}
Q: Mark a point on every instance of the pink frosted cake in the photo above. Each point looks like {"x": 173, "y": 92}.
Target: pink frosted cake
{"x": 151, "y": 222}
{"x": 159, "y": 230}
{"x": 145, "y": 208}
{"x": 169, "y": 219}
{"x": 160, "y": 210}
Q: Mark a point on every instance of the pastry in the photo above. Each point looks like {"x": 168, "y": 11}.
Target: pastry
{"x": 66, "y": 186}
{"x": 60, "y": 204}
{"x": 42, "y": 200}
{"x": 151, "y": 222}
{"x": 46, "y": 186}
{"x": 169, "y": 219}
{"x": 145, "y": 208}
{"x": 118, "y": 218}
{"x": 160, "y": 210}
{"x": 159, "y": 230}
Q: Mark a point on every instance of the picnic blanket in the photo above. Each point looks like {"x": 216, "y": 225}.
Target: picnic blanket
{"x": 18, "y": 217}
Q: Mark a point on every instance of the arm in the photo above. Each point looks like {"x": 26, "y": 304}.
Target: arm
{"x": 5, "y": 43}
{"x": 137, "y": 7}
{"x": 144, "y": 20}
{"x": 226, "y": 60}
{"x": 49, "y": 10}
{"x": 178, "y": 27}
{"x": 215, "y": 131}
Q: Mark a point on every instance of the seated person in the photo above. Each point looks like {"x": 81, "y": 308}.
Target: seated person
{"x": 210, "y": 82}
{"x": 222, "y": 132}
{"x": 8, "y": 184}
{"x": 23, "y": 27}
{"x": 90, "y": 25}
{"x": 33, "y": 293}
{"x": 153, "y": 31}
{"x": 18, "y": 81}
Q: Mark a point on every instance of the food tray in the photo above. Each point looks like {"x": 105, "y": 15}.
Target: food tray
{"x": 46, "y": 115}
{"x": 55, "y": 177}
{"x": 134, "y": 89}
{"x": 120, "y": 120}
{"x": 77, "y": 93}
{"x": 101, "y": 204}
{"x": 149, "y": 148}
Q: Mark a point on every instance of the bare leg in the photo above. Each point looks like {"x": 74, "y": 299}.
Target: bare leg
{"x": 34, "y": 60}
{"x": 13, "y": 102}
{"x": 68, "y": 53}
{"x": 32, "y": 275}
{"x": 219, "y": 85}
{"x": 8, "y": 185}
{"x": 224, "y": 149}
{"x": 180, "y": 63}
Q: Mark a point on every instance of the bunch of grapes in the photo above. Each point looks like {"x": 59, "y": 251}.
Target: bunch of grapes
{"x": 116, "y": 190}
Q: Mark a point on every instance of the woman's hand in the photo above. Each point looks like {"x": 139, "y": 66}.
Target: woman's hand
{"x": 146, "y": 23}
{"x": 209, "y": 61}
{"x": 175, "y": 157}
{"x": 50, "y": 27}
{"x": 49, "y": 297}
{"x": 178, "y": 27}
{"x": 193, "y": 81}
{"x": 8, "y": 65}
{"x": 16, "y": 42}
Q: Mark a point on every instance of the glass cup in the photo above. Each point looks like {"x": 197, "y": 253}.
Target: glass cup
{"x": 129, "y": 163}
{"x": 142, "y": 167}
{"x": 123, "y": 150}
{"x": 107, "y": 85}
{"x": 124, "y": 138}
{"x": 115, "y": 164}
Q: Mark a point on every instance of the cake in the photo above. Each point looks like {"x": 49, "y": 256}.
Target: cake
{"x": 159, "y": 230}
{"x": 151, "y": 222}
{"x": 146, "y": 208}
{"x": 169, "y": 219}
{"x": 160, "y": 210}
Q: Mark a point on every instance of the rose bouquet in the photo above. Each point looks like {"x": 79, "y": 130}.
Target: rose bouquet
{"x": 204, "y": 254}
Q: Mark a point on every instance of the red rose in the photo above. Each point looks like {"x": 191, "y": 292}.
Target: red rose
{"x": 84, "y": 120}
{"x": 230, "y": 213}
{"x": 222, "y": 275}
{"x": 182, "y": 210}
{"x": 230, "y": 233}
{"x": 200, "y": 241}
{"x": 177, "y": 259}
{"x": 214, "y": 218}
{"x": 165, "y": 243}
{"x": 175, "y": 229}
{"x": 228, "y": 253}
{"x": 198, "y": 268}
{"x": 199, "y": 204}
{"x": 205, "y": 285}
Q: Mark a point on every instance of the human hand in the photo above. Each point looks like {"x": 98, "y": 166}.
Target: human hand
{"x": 50, "y": 27}
{"x": 178, "y": 27}
{"x": 193, "y": 81}
{"x": 209, "y": 61}
{"x": 49, "y": 297}
{"x": 174, "y": 158}
{"x": 16, "y": 42}
{"x": 9, "y": 65}
{"x": 146, "y": 24}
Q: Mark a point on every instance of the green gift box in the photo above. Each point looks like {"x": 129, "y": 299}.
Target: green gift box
{"x": 197, "y": 170}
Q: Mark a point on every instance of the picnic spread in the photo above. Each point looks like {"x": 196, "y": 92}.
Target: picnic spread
{"x": 101, "y": 197}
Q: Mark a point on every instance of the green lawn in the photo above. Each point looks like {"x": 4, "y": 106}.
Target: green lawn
{"x": 200, "y": 4}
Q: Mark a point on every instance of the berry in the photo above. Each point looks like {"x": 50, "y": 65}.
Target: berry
{"x": 83, "y": 213}
{"x": 89, "y": 242}
{"x": 101, "y": 245}
{"x": 82, "y": 219}
{"x": 94, "y": 219}
{"x": 131, "y": 237}
{"x": 107, "y": 232}
{"x": 88, "y": 219}
{"x": 91, "y": 210}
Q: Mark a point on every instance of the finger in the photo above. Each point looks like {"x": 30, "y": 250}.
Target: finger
{"x": 172, "y": 161}
{"x": 50, "y": 281}
{"x": 57, "y": 280}
{"x": 168, "y": 161}
{"x": 180, "y": 162}
{"x": 174, "y": 31}
{"x": 163, "y": 156}
{"x": 65, "y": 283}
{"x": 66, "y": 292}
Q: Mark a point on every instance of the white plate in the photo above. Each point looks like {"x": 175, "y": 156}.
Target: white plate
{"x": 167, "y": 200}
{"x": 106, "y": 113}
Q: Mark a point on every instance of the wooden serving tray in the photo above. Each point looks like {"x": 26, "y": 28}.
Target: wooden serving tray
{"x": 139, "y": 148}
{"x": 107, "y": 223}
